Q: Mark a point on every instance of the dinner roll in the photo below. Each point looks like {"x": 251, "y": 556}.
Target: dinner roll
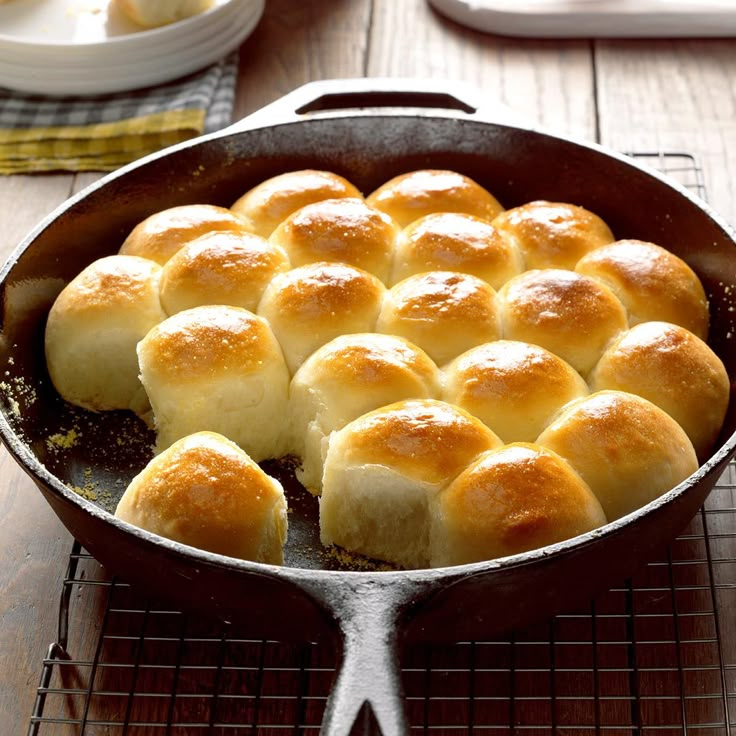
{"x": 152, "y": 13}
{"x": 382, "y": 470}
{"x": 273, "y": 200}
{"x": 217, "y": 368}
{"x": 206, "y": 492}
{"x": 93, "y": 328}
{"x": 220, "y": 268}
{"x": 308, "y": 306}
{"x": 651, "y": 282}
{"x": 513, "y": 499}
{"x": 161, "y": 234}
{"x": 443, "y": 312}
{"x": 626, "y": 449}
{"x": 675, "y": 370}
{"x": 342, "y": 230}
{"x": 572, "y": 315}
{"x": 414, "y": 194}
{"x": 347, "y": 377}
{"x": 513, "y": 387}
{"x": 552, "y": 234}
{"x": 450, "y": 241}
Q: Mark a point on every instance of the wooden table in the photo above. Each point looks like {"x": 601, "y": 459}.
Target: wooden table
{"x": 675, "y": 95}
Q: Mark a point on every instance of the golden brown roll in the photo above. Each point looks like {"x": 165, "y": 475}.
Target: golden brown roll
{"x": 443, "y": 312}
{"x": 571, "y": 315}
{"x": 510, "y": 500}
{"x": 344, "y": 230}
{"x": 273, "y": 200}
{"x": 674, "y": 369}
{"x": 154, "y": 13}
{"x": 220, "y": 268}
{"x": 450, "y": 241}
{"x": 513, "y": 387}
{"x": 652, "y": 283}
{"x": 93, "y": 329}
{"x": 347, "y": 377}
{"x": 206, "y": 492}
{"x": 415, "y": 194}
{"x": 161, "y": 234}
{"x": 382, "y": 470}
{"x": 626, "y": 449}
{"x": 553, "y": 234}
{"x": 310, "y": 305}
{"x": 217, "y": 368}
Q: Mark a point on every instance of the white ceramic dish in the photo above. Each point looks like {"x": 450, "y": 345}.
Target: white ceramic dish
{"x": 87, "y": 55}
{"x": 73, "y": 23}
{"x": 72, "y": 63}
{"x": 595, "y": 18}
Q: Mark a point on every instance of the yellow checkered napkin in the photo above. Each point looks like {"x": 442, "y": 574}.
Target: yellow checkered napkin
{"x": 102, "y": 133}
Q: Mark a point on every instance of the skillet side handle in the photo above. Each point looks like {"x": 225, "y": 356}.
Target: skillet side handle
{"x": 329, "y": 96}
{"x": 367, "y": 695}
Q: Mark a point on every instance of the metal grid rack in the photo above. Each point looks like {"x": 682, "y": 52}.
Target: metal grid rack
{"x": 655, "y": 656}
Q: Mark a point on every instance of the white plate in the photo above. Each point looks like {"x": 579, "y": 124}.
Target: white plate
{"x": 71, "y": 23}
{"x": 82, "y": 56}
{"x": 121, "y": 62}
{"x": 92, "y": 79}
{"x": 132, "y": 48}
{"x": 594, "y": 18}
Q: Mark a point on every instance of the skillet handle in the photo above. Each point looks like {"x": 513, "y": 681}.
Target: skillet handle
{"x": 366, "y": 96}
{"x": 367, "y": 695}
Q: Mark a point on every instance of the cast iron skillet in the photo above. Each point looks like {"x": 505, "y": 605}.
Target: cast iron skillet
{"x": 326, "y": 125}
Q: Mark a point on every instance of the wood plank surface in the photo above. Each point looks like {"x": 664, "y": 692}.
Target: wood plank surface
{"x": 549, "y": 82}
{"x": 33, "y": 543}
{"x": 299, "y": 42}
{"x": 674, "y": 95}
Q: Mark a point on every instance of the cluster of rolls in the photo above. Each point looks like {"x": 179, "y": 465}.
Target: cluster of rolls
{"x": 459, "y": 381}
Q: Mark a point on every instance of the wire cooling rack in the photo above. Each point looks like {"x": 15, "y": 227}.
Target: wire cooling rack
{"x": 655, "y": 656}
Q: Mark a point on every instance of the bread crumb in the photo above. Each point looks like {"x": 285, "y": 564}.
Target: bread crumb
{"x": 358, "y": 562}
{"x": 63, "y": 440}
{"x": 15, "y": 388}
{"x": 88, "y": 490}
{"x": 12, "y": 402}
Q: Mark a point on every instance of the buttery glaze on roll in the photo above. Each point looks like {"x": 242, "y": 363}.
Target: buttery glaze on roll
{"x": 571, "y": 315}
{"x": 342, "y": 230}
{"x": 627, "y": 450}
{"x": 674, "y": 369}
{"x": 221, "y": 268}
{"x": 412, "y": 195}
{"x": 310, "y": 305}
{"x": 450, "y": 241}
{"x": 382, "y": 471}
{"x": 161, "y": 234}
{"x": 267, "y": 204}
{"x": 443, "y": 312}
{"x": 513, "y": 387}
{"x": 154, "y": 13}
{"x": 217, "y": 368}
{"x": 206, "y": 492}
{"x": 93, "y": 328}
{"x": 553, "y": 234}
{"x": 513, "y": 499}
{"x": 347, "y": 377}
{"x": 651, "y": 282}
